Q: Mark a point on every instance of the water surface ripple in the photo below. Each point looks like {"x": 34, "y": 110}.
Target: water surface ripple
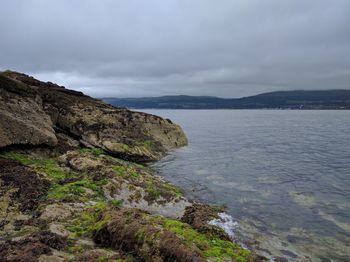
{"x": 281, "y": 173}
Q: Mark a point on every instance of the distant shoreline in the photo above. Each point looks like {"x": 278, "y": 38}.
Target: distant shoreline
{"x": 292, "y": 100}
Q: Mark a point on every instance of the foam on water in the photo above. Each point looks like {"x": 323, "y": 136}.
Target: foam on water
{"x": 226, "y": 223}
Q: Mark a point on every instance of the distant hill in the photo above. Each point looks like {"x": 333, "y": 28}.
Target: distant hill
{"x": 325, "y": 99}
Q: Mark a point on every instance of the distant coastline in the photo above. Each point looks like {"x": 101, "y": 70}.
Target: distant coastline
{"x": 299, "y": 99}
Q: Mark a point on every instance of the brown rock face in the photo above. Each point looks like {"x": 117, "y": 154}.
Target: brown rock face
{"x": 30, "y": 109}
{"x": 22, "y": 119}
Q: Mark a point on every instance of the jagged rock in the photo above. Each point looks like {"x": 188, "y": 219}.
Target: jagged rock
{"x": 130, "y": 135}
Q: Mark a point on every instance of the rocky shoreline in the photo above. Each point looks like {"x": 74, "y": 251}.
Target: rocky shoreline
{"x": 75, "y": 185}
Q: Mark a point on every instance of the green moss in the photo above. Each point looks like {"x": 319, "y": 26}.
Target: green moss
{"x": 119, "y": 170}
{"x": 89, "y": 222}
{"x": 102, "y": 259}
{"x": 152, "y": 191}
{"x": 95, "y": 151}
{"x": 125, "y": 172}
{"x": 148, "y": 144}
{"x": 75, "y": 249}
{"x": 78, "y": 190}
{"x": 125, "y": 147}
{"x": 117, "y": 203}
{"x": 173, "y": 189}
{"x": 211, "y": 247}
{"x": 48, "y": 166}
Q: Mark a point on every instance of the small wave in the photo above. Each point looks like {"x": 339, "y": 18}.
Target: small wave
{"x": 226, "y": 223}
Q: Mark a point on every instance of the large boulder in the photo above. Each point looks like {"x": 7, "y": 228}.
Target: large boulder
{"x": 22, "y": 119}
{"x": 130, "y": 135}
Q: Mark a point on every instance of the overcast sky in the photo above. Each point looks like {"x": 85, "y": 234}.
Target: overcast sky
{"x": 132, "y": 48}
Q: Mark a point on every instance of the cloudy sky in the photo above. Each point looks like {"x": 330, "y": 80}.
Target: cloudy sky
{"x": 133, "y": 48}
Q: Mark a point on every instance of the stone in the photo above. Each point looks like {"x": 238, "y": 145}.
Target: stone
{"x": 129, "y": 135}
{"x": 22, "y": 118}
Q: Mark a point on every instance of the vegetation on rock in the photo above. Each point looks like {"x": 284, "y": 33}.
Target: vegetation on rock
{"x": 69, "y": 192}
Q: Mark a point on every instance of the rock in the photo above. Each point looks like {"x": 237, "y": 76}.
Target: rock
{"x": 57, "y": 256}
{"x": 29, "y": 186}
{"x": 57, "y": 212}
{"x": 135, "y": 197}
{"x": 280, "y": 259}
{"x": 130, "y": 135}
{"x": 97, "y": 255}
{"x": 52, "y": 240}
{"x": 66, "y": 143}
{"x": 22, "y": 119}
{"x": 24, "y": 250}
{"x": 59, "y": 229}
{"x": 85, "y": 242}
{"x": 132, "y": 230}
{"x": 84, "y": 164}
{"x": 53, "y": 258}
{"x": 198, "y": 215}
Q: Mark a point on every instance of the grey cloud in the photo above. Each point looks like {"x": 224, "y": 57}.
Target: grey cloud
{"x": 197, "y": 47}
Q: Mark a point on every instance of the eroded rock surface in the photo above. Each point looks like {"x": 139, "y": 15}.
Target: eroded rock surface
{"x": 30, "y": 109}
{"x": 22, "y": 118}
{"x": 69, "y": 192}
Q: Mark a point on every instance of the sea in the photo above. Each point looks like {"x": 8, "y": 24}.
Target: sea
{"x": 283, "y": 175}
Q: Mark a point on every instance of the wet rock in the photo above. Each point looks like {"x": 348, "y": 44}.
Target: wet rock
{"x": 134, "y": 195}
{"x": 280, "y": 259}
{"x": 198, "y": 216}
{"x": 292, "y": 239}
{"x": 288, "y": 253}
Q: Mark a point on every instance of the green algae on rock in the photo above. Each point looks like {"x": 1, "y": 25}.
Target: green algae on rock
{"x": 160, "y": 239}
{"x": 73, "y": 189}
{"x": 79, "y": 210}
{"x": 130, "y": 135}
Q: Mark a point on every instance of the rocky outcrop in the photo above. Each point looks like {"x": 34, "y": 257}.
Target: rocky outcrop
{"x": 30, "y": 109}
{"x": 68, "y": 191}
{"x": 79, "y": 205}
{"x": 22, "y": 118}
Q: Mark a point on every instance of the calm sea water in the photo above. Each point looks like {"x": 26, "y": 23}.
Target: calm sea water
{"x": 284, "y": 176}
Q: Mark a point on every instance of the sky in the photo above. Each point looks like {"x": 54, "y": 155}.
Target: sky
{"x": 137, "y": 48}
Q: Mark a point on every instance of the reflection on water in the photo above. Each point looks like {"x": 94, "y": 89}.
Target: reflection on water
{"x": 284, "y": 175}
